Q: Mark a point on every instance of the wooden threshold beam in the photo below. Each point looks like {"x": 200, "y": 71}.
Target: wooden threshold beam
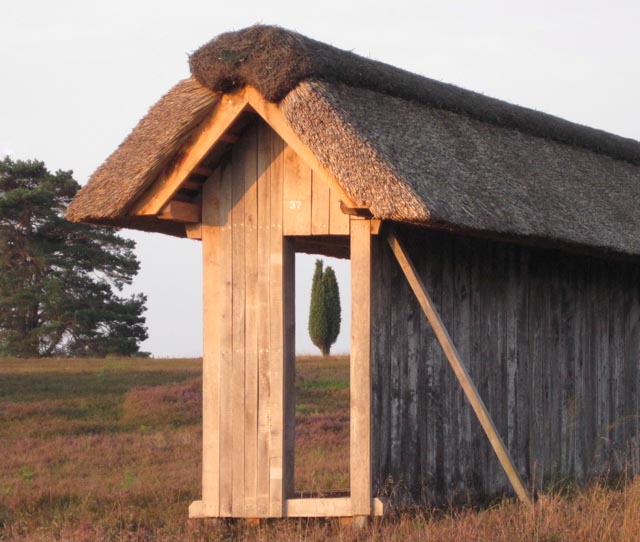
{"x": 458, "y": 367}
{"x": 211, "y": 131}
{"x": 327, "y": 507}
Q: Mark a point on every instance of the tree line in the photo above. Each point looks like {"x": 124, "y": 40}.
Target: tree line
{"x": 61, "y": 282}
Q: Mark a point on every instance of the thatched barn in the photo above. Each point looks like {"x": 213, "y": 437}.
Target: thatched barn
{"x": 515, "y": 232}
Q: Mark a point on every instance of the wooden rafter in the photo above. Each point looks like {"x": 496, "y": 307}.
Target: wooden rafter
{"x": 214, "y": 128}
{"x": 458, "y": 367}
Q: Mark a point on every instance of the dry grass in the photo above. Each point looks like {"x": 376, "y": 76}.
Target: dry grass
{"x": 96, "y": 450}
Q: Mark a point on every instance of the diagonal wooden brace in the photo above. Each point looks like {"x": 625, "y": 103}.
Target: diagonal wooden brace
{"x": 458, "y": 368}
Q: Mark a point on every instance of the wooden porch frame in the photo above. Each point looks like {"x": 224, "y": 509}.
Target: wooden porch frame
{"x": 212, "y": 130}
{"x": 458, "y": 367}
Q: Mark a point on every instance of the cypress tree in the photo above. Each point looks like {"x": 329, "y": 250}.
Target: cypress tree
{"x": 324, "y": 312}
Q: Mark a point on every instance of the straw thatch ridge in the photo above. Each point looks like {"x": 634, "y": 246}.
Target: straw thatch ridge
{"x": 411, "y": 163}
{"x": 275, "y": 61}
{"x": 135, "y": 164}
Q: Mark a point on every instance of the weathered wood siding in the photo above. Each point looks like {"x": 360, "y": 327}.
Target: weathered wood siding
{"x": 552, "y": 341}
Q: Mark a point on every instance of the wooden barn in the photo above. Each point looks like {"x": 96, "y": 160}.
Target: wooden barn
{"x": 516, "y": 233}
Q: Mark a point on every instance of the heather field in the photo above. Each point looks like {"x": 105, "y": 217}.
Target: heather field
{"x": 109, "y": 450}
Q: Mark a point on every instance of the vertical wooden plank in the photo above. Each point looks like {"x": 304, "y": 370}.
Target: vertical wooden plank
{"x": 239, "y": 320}
{"x": 360, "y": 369}
{"x": 289, "y": 355}
{"x": 581, "y": 297}
{"x": 213, "y": 320}
{"x": 319, "y": 205}
{"x": 296, "y": 219}
{"x": 225, "y": 315}
{"x": 618, "y": 384}
{"x": 445, "y": 308}
{"x": 264, "y": 317}
{"x": 462, "y": 332}
{"x": 250, "y": 172}
{"x": 410, "y": 450}
{"x": 276, "y": 335}
{"x": 377, "y": 336}
{"x": 397, "y": 339}
{"x": 382, "y": 324}
{"x": 568, "y": 312}
{"x": 432, "y": 441}
{"x": 601, "y": 325}
{"x": 338, "y": 221}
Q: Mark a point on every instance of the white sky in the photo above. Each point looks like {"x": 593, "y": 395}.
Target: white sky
{"x": 76, "y": 76}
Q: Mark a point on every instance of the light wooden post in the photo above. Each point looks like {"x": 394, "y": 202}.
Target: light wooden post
{"x": 458, "y": 368}
{"x": 360, "y": 366}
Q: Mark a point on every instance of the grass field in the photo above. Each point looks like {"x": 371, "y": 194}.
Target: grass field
{"x": 95, "y": 450}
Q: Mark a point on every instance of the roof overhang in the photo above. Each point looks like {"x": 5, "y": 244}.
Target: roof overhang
{"x": 187, "y": 171}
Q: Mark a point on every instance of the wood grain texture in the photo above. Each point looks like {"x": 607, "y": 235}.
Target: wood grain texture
{"x": 319, "y": 205}
{"x": 360, "y": 368}
{"x": 296, "y": 212}
{"x": 552, "y": 341}
{"x": 338, "y": 221}
{"x": 238, "y": 256}
{"x": 225, "y": 315}
{"x": 212, "y": 282}
{"x": 457, "y": 365}
{"x": 264, "y": 160}
{"x": 249, "y": 166}
{"x": 276, "y": 333}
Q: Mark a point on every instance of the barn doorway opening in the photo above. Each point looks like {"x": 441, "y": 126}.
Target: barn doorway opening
{"x": 322, "y": 393}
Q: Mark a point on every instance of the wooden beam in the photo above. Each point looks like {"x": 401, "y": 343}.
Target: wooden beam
{"x": 181, "y": 211}
{"x": 376, "y": 226}
{"x": 327, "y": 507}
{"x": 193, "y": 231}
{"x": 360, "y": 368}
{"x": 223, "y": 116}
{"x": 458, "y": 367}
{"x": 362, "y": 212}
{"x": 212, "y": 276}
{"x": 272, "y": 114}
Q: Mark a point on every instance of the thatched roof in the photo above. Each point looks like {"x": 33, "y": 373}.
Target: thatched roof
{"x": 409, "y": 148}
{"x": 134, "y": 165}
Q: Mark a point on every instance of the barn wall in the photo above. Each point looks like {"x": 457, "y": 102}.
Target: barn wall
{"x": 552, "y": 341}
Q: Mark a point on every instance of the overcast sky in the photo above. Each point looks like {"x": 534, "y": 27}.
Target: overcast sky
{"x": 76, "y": 76}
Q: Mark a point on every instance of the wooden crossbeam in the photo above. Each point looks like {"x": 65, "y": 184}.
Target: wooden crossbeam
{"x": 362, "y": 212}
{"x": 181, "y": 211}
{"x": 458, "y": 367}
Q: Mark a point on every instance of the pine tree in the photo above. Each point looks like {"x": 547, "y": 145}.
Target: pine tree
{"x": 324, "y": 311}
{"x": 57, "y": 279}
